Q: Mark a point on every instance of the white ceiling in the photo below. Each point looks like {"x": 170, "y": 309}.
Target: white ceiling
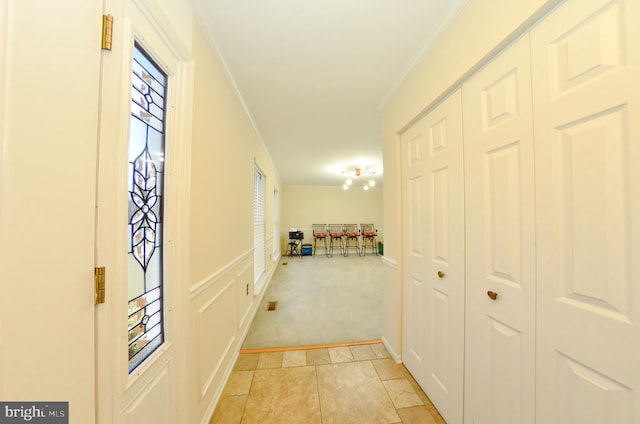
{"x": 314, "y": 75}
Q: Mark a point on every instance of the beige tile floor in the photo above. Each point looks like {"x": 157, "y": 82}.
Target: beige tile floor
{"x": 332, "y": 385}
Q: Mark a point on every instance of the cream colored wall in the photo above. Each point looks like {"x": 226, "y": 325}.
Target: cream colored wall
{"x": 304, "y": 206}
{"x": 224, "y": 147}
{"x": 481, "y": 29}
{"x": 222, "y": 297}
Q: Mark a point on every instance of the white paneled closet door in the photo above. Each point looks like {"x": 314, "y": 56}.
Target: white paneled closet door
{"x": 586, "y": 80}
{"x": 433, "y": 234}
{"x": 414, "y": 290}
{"x": 500, "y": 231}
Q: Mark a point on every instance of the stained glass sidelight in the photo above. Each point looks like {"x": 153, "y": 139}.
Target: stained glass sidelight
{"x": 146, "y": 194}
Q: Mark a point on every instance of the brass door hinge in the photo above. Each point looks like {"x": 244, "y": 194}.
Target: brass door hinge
{"x": 107, "y": 31}
{"x": 98, "y": 274}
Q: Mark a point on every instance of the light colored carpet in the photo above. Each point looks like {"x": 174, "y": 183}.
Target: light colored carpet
{"x": 320, "y": 300}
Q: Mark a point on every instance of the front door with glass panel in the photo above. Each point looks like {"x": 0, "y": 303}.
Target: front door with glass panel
{"x": 137, "y": 236}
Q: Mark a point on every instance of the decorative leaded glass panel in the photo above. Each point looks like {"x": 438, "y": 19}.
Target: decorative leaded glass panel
{"x": 146, "y": 194}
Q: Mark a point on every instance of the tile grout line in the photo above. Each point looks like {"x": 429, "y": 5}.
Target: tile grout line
{"x": 318, "y": 391}
{"x": 246, "y": 402}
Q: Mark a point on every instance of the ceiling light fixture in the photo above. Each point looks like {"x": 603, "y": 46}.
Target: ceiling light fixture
{"x": 357, "y": 173}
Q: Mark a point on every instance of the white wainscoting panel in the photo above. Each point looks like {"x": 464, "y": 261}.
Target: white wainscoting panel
{"x": 157, "y": 393}
{"x": 215, "y": 334}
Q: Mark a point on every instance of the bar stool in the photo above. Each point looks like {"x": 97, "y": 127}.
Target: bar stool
{"x": 352, "y": 234}
{"x": 336, "y": 235}
{"x": 320, "y": 233}
{"x": 369, "y": 233}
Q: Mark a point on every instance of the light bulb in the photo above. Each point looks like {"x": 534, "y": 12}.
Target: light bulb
{"x": 372, "y": 183}
{"x": 346, "y": 187}
{"x": 349, "y": 181}
{"x": 366, "y": 188}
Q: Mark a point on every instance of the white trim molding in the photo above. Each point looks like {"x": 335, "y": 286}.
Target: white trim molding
{"x": 204, "y": 284}
{"x": 389, "y": 262}
{"x": 396, "y": 357}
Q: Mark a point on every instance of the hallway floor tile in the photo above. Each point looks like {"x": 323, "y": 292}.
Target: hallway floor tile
{"x": 329, "y": 385}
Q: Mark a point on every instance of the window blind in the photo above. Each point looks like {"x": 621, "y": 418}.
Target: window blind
{"x": 259, "y": 230}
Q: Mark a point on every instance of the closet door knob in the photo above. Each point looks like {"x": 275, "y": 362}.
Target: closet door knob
{"x": 493, "y": 295}
{"x": 440, "y": 274}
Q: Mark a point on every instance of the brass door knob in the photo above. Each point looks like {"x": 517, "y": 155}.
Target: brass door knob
{"x": 493, "y": 295}
{"x": 440, "y": 274}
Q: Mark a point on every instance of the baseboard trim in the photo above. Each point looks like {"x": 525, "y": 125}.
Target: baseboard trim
{"x": 397, "y": 358}
{"x": 389, "y": 262}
